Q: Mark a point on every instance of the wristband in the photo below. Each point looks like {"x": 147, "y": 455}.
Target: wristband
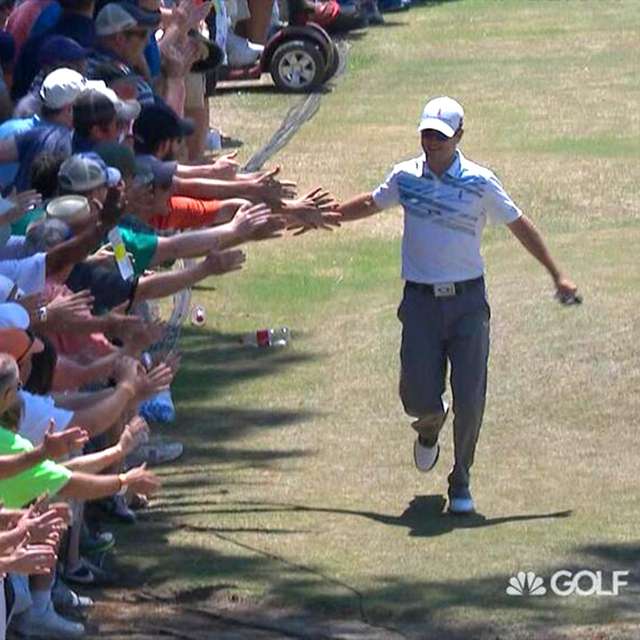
{"x": 122, "y": 479}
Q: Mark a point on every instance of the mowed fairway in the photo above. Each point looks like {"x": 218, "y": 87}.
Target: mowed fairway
{"x": 297, "y": 490}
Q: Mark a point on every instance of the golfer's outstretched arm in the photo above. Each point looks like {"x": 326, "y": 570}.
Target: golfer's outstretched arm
{"x": 533, "y": 242}
{"x": 359, "y": 207}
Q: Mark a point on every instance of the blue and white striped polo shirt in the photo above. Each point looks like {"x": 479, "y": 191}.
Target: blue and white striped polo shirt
{"x": 444, "y": 217}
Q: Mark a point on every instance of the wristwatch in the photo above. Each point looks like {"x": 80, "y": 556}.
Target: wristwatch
{"x": 41, "y": 314}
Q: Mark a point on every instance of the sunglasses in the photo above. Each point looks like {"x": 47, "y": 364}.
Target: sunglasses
{"x": 431, "y": 133}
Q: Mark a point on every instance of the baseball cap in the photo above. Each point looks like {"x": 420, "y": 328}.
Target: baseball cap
{"x": 119, "y": 156}
{"x": 123, "y": 16}
{"x": 13, "y": 316}
{"x": 73, "y": 210}
{"x": 111, "y": 70}
{"x": 159, "y": 122}
{"x": 61, "y": 88}
{"x": 127, "y": 110}
{"x": 60, "y": 49}
{"x": 442, "y": 114}
{"x": 161, "y": 172}
{"x": 92, "y": 107}
{"x": 86, "y": 171}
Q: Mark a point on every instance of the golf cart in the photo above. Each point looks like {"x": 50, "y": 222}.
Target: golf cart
{"x": 298, "y": 58}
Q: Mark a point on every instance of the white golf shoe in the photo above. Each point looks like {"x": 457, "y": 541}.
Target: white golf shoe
{"x": 425, "y": 457}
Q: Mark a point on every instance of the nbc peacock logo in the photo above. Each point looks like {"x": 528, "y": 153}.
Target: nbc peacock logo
{"x": 526, "y": 584}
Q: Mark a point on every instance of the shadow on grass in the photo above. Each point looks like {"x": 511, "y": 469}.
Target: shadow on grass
{"x": 218, "y": 572}
{"x": 214, "y": 361}
{"x": 424, "y": 517}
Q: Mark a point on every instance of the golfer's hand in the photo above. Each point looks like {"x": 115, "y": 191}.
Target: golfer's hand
{"x": 567, "y": 291}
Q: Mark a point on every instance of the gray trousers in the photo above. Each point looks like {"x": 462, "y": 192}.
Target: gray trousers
{"x": 437, "y": 331}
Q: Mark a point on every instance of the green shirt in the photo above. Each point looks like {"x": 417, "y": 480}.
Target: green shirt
{"x": 19, "y": 227}
{"x": 141, "y": 244}
{"x": 45, "y": 477}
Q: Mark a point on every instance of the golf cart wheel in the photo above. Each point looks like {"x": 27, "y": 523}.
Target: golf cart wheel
{"x": 297, "y": 66}
{"x": 333, "y": 64}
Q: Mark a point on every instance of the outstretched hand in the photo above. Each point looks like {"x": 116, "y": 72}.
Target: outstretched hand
{"x": 257, "y": 222}
{"x": 317, "y": 209}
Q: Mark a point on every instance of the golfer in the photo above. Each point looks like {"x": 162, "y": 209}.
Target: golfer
{"x": 447, "y": 200}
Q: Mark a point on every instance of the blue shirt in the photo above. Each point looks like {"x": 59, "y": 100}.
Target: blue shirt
{"x": 152, "y": 56}
{"x": 47, "y": 138}
{"x": 10, "y": 129}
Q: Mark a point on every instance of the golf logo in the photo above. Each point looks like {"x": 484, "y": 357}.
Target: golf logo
{"x": 526, "y": 584}
{"x": 567, "y": 583}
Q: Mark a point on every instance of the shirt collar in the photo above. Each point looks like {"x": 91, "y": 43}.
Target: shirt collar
{"x": 454, "y": 168}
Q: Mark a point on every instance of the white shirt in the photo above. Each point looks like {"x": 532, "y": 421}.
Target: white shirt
{"x": 35, "y": 415}
{"x": 444, "y": 217}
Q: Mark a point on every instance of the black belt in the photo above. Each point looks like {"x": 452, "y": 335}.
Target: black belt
{"x": 460, "y": 287}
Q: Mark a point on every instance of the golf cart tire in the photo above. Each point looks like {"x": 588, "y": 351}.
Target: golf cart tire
{"x": 333, "y": 63}
{"x": 314, "y": 65}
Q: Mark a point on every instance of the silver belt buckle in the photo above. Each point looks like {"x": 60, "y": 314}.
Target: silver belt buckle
{"x": 444, "y": 290}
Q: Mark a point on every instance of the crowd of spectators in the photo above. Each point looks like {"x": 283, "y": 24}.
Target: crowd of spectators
{"x": 105, "y": 179}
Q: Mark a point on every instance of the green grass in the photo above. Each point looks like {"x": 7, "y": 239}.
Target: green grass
{"x": 297, "y": 486}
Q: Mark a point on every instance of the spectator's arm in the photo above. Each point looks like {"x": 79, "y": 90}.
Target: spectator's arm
{"x": 102, "y": 415}
{"x": 69, "y": 374}
{"x": 84, "y": 486}
{"x": 160, "y": 285}
{"x": 11, "y": 465}
{"x": 97, "y": 462}
{"x": 74, "y": 250}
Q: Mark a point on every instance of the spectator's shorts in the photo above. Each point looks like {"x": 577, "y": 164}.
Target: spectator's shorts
{"x": 195, "y": 89}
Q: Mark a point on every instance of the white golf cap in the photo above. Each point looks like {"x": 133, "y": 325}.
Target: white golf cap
{"x": 127, "y": 110}
{"x": 61, "y": 88}
{"x": 442, "y": 114}
{"x": 9, "y": 290}
{"x": 13, "y": 316}
{"x": 70, "y": 209}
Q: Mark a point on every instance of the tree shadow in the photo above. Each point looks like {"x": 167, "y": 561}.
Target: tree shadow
{"x": 214, "y": 361}
{"x": 208, "y": 575}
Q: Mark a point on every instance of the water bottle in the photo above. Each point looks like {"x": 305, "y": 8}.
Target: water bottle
{"x": 267, "y": 338}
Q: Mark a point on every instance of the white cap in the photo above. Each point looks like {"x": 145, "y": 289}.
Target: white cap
{"x": 61, "y": 87}
{"x": 442, "y": 114}
{"x": 127, "y": 110}
{"x": 70, "y": 209}
{"x": 13, "y": 316}
{"x": 113, "y": 18}
{"x": 9, "y": 290}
